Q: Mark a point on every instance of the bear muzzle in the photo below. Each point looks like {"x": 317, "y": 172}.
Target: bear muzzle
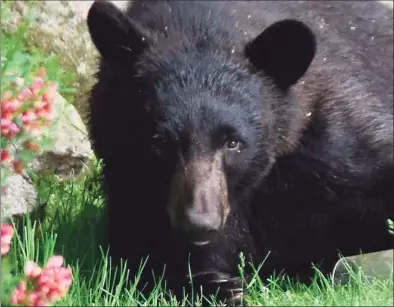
{"x": 199, "y": 205}
{"x": 201, "y": 226}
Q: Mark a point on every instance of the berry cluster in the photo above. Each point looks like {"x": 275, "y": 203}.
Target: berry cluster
{"x": 25, "y": 111}
{"x": 41, "y": 286}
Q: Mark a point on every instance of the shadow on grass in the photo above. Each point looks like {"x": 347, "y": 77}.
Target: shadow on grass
{"x": 70, "y": 220}
{"x": 75, "y": 212}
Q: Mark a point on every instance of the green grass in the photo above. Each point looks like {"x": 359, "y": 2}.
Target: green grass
{"x": 73, "y": 225}
{"x": 71, "y": 222}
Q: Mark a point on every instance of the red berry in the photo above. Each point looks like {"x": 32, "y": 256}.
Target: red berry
{"x": 18, "y": 166}
{"x": 5, "y": 155}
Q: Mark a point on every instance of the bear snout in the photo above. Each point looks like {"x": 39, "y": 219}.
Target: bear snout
{"x": 199, "y": 203}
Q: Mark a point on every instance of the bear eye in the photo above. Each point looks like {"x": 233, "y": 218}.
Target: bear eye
{"x": 232, "y": 144}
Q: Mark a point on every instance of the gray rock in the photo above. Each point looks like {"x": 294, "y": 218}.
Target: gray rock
{"x": 19, "y": 198}
{"x": 71, "y": 152}
{"x": 377, "y": 265}
{"x": 388, "y": 3}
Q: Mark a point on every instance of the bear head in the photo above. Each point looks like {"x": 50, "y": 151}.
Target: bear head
{"x": 214, "y": 111}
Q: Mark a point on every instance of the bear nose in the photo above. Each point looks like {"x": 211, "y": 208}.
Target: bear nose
{"x": 202, "y": 227}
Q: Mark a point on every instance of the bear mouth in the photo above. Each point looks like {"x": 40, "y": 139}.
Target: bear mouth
{"x": 201, "y": 243}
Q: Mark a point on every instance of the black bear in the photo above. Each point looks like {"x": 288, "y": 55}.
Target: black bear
{"x": 261, "y": 127}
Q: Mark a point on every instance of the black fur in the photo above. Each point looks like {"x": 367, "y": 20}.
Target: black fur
{"x": 315, "y": 171}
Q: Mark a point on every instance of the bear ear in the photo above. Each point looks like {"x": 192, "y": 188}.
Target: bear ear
{"x": 113, "y": 33}
{"x": 283, "y": 51}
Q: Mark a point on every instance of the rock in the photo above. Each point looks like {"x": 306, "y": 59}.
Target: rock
{"x": 69, "y": 155}
{"x": 372, "y": 265}
{"x": 388, "y": 3}
{"x": 71, "y": 152}
{"x": 20, "y": 197}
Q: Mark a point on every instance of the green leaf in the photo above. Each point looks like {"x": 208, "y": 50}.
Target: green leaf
{"x": 27, "y": 155}
{"x": 8, "y": 284}
{"x": 47, "y": 143}
{"x": 9, "y": 279}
